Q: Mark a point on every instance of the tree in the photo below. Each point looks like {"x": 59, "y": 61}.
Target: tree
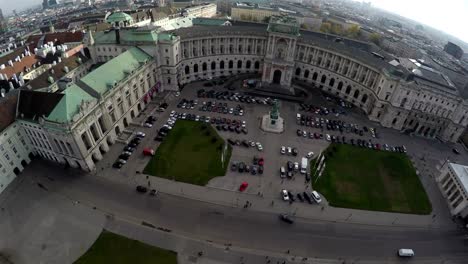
{"x": 353, "y": 31}
{"x": 375, "y": 37}
{"x": 266, "y": 19}
{"x": 304, "y": 26}
{"x": 325, "y": 27}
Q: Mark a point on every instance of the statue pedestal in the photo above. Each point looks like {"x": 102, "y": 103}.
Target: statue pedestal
{"x": 277, "y": 126}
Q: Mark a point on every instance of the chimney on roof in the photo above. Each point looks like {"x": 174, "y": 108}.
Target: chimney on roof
{"x": 117, "y": 35}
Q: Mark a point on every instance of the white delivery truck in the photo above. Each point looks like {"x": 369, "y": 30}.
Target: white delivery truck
{"x": 304, "y": 165}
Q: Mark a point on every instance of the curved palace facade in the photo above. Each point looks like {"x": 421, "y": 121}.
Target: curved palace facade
{"x": 87, "y": 116}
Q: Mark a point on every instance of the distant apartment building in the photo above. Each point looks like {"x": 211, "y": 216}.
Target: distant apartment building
{"x": 454, "y": 50}
{"x": 453, "y": 183}
{"x": 401, "y": 48}
{"x": 203, "y": 10}
{"x": 252, "y": 13}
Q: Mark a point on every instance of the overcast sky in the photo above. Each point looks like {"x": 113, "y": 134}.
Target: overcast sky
{"x": 450, "y": 16}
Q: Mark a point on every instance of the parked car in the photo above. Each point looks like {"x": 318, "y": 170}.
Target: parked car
{"x": 117, "y": 165}
{"x": 299, "y": 197}
{"x": 140, "y": 134}
{"x": 284, "y": 195}
{"x": 283, "y": 150}
{"x": 316, "y": 197}
{"x": 310, "y": 155}
{"x": 307, "y": 197}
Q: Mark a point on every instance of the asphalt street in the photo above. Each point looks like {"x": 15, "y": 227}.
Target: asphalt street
{"x": 251, "y": 229}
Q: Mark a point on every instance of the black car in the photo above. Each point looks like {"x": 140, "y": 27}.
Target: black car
{"x": 141, "y": 189}
{"x": 136, "y": 140}
{"x": 299, "y": 197}
{"x": 129, "y": 149}
{"x": 294, "y": 151}
{"x": 117, "y": 165}
{"x": 244, "y": 130}
{"x": 307, "y": 176}
{"x": 286, "y": 218}
{"x": 245, "y": 143}
{"x": 260, "y": 170}
{"x": 307, "y": 197}
{"x": 291, "y": 196}
{"x": 234, "y": 166}
{"x": 241, "y": 167}
{"x": 231, "y": 142}
{"x": 132, "y": 145}
{"x": 159, "y": 138}
{"x": 299, "y": 133}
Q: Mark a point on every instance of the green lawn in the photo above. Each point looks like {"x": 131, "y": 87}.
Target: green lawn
{"x": 116, "y": 249}
{"x": 190, "y": 153}
{"x": 371, "y": 180}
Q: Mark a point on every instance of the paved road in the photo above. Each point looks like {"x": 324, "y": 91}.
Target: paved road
{"x": 251, "y": 229}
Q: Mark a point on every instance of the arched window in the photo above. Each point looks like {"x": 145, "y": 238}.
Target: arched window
{"x": 231, "y": 64}
{"x": 248, "y": 64}
{"x": 239, "y": 64}
{"x": 332, "y": 82}
{"x": 356, "y": 94}
{"x": 314, "y": 77}
{"x": 257, "y": 65}
{"x": 364, "y": 99}
{"x": 324, "y": 78}
{"x": 340, "y": 86}
{"x": 221, "y": 65}
{"x": 394, "y": 121}
{"x": 348, "y": 89}
{"x": 298, "y": 71}
{"x": 204, "y": 66}
{"x": 306, "y": 74}
{"x": 213, "y": 65}
{"x": 187, "y": 69}
{"x": 195, "y": 68}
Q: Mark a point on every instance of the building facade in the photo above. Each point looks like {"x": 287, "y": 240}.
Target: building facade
{"x": 76, "y": 125}
{"x": 453, "y": 183}
{"x": 15, "y": 153}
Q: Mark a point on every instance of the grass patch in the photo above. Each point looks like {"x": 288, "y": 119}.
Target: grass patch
{"x": 373, "y": 180}
{"x": 190, "y": 153}
{"x": 116, "y": 249}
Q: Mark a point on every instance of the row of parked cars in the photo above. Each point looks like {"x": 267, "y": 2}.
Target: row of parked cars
{"x": 254, "y": 168}
{"x": 320, "y": 110}
{"x": 233, "y": 96}
{"x": 187, "y": 104}
{"x": 314, "y": 196}
{"x": 222, "y": 108}
{"x": 245, "y": 143}
{"x": 128, "y": 150}
{"x": 334, "y": 125}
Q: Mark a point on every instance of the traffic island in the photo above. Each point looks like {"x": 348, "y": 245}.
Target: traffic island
{"x": 368, "y": 179}
{"x": 113, "y": 248}
{"x": 192, "y": 152}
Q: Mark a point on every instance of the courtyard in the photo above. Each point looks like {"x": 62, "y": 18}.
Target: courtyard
{"x": 113, "y": 248}
{"x": 368, "y": 179}
{"x": 192, "y": 152}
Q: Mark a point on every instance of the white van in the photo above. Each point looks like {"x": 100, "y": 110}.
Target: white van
{"x": 304, "y": 162}
{"x": 405, "y": 252}
{"x": 316, "y": 197}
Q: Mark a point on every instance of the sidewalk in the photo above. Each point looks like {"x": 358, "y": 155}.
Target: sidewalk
{"x": 299, "y": 210}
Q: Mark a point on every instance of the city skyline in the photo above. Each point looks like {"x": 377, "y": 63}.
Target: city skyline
{"x": 429, "y": 13}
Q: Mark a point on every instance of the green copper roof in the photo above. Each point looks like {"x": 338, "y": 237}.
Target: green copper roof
{"x": 138, "y": 35}
{"x": 69, "y": 105}
{"x": 127, "y": 35}
{"x": 112, "y": 72}
{"x": 118, "y": 17}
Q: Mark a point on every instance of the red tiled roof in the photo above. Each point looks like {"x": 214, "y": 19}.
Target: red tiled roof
{"x": 18, "y": 67}
{"x": 64, "y": 37}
